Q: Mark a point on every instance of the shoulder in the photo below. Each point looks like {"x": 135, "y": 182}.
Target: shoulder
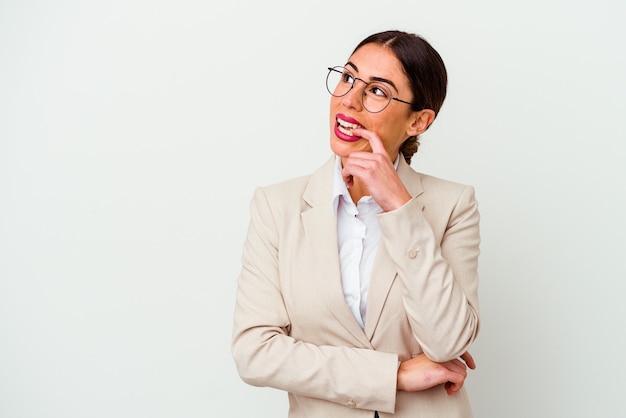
{"x": 299, "y": 192}
{"x": 446, "y": 196}
{"x": 283, "y": 192}
{"x": 437, "y": 185}
{"x": 431, "y": 187}
{"x": 293, "y": 184}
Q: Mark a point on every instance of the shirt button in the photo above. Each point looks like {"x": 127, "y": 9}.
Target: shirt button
{"x": 412, "y": 253}
{"x": 351, "y": 404}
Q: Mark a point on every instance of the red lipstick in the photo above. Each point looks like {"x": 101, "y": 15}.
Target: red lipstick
{"x": 343, "y": 128}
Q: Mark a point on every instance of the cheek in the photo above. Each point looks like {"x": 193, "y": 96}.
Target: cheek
{"x": 392, "y": 134}
{"x": 332, "y": 110}
{"x": 396, "y": 126}
{"x": 335, "y": 103}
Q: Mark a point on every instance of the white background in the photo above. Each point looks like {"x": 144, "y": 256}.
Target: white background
{"x": 133, "y": 133}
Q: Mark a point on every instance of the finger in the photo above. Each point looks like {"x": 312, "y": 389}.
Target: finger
{"x": 449, "y": 388}
{"x": 456, "y": 366}
{"x": 375, "y": 142}
{"x": 452, "y": 388}
{"x": 454, "y": 384}
{"x": 348, "y": 179}
{"x": 469, "y": 360}
{"x": 356, "y": 165}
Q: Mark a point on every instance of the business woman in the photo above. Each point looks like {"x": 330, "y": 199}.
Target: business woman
{"x": 358, "y": 289}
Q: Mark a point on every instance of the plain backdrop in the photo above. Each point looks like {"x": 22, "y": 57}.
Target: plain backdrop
{"x": 132, "y": 136}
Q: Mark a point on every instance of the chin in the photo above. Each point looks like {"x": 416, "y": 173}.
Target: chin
{"x": 345, "y": 148}
{"x": 341, "y": 148}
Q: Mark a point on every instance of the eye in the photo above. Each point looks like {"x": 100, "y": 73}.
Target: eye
{"x": 379, "y": 90}
{"x": 347, "y": 78}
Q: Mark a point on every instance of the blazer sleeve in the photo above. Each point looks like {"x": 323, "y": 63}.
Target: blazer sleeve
{"x": 266, "y": 355}
{"x": 439, "y": 275}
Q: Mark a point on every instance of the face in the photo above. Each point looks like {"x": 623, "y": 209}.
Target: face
{"x": 393, "y": 125}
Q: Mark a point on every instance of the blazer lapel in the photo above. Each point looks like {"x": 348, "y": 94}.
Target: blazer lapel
{"x": 320, "y": 230}
{"x": 384, "y": 270}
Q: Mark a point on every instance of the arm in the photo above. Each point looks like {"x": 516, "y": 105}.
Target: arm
{"x": 440, "y": 279}
{"x": 265, "y": 353}
{"x": 439, "y": 275}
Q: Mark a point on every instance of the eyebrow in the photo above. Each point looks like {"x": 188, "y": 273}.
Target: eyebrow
{"x": 379, "y": 79}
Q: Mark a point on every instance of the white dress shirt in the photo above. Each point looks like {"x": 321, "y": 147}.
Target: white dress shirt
{"x": 358, "y": 236}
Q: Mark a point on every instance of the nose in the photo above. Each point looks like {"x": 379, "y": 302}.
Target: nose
{"x": 354, "y": 98}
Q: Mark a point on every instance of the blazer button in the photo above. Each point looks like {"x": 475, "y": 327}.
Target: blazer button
{"x": 351, "y": 404}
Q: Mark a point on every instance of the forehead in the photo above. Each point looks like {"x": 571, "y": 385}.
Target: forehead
{"x": 375, "y": 60}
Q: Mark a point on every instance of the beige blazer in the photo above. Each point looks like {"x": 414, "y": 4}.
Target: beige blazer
{"x": 293, "y": 329}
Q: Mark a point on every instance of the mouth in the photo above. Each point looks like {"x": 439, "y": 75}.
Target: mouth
{"x": 346, "y": 127}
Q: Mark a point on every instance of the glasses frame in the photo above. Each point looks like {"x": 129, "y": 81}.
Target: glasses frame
{"x": 340, "y": 69}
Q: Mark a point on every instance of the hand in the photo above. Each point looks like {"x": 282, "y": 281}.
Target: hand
{"x": 376, "y": 172}
{"x": 420, "y": 373}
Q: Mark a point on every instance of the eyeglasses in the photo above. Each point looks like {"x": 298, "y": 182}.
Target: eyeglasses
{"x": 376, "y": 95}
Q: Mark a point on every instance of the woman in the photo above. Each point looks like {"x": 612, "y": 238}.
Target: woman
{"x": 358, "y": 289}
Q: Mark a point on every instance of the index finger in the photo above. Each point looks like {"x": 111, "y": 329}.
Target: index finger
{"x": 375, "y": 142}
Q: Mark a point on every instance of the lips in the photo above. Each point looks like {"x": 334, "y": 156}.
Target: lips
{"x": 344, "y": 127}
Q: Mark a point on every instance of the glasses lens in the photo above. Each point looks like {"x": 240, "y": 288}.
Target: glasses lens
{"x": 376, "y": 97}
{"x": 338, "y": 81}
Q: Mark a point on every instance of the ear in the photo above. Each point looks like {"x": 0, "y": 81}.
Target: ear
{"x": 420, "y": 121}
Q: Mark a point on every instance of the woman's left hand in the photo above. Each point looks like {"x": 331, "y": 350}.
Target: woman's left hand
{"x": 377, "y": 173}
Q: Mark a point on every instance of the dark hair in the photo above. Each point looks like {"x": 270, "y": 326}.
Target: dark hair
{"x": 424, "y": 69}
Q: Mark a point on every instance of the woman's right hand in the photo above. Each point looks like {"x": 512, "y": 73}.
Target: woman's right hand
{"x": 420, "y": 373}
